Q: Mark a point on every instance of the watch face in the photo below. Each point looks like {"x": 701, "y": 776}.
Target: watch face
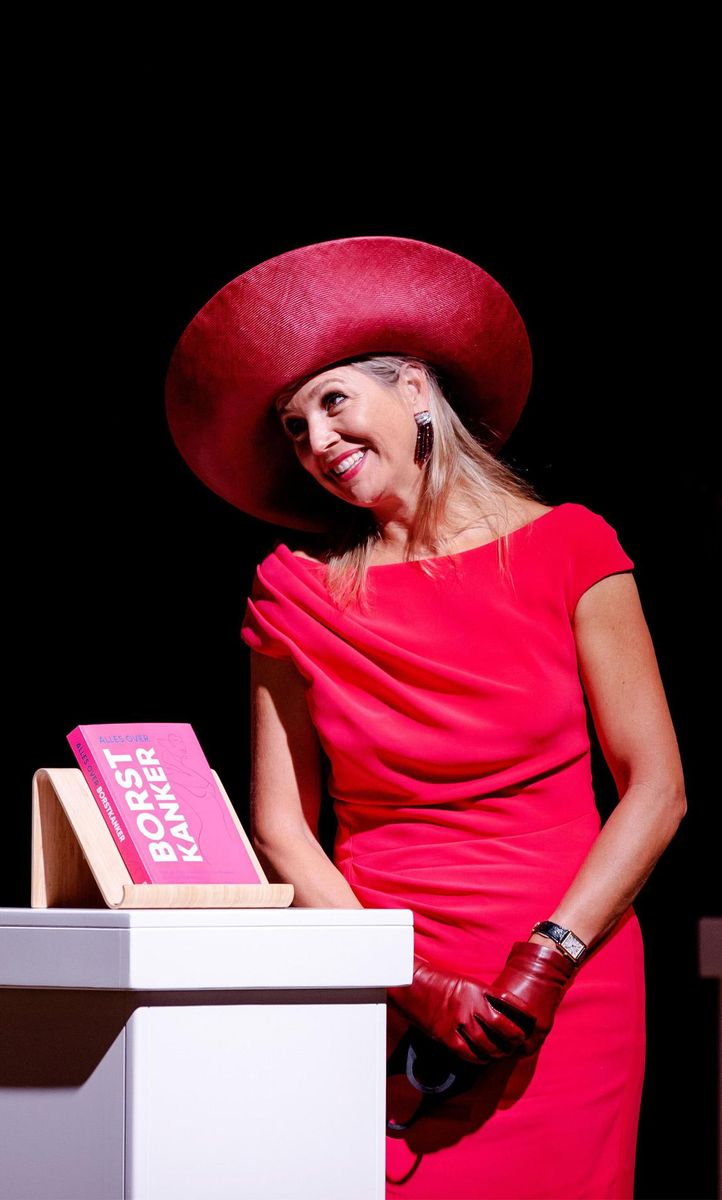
{"x": 573, "y": 945}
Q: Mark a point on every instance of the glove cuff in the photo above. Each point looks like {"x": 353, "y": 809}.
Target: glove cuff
{"x": 543, "y": 962}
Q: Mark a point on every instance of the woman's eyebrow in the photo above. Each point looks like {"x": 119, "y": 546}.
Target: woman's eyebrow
{"x": 319, "y": 386}
{"x": 324, "y": 383}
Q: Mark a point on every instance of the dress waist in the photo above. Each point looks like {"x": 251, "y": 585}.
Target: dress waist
{"x": 473, "y": 891}
{"x": 434, "y": 833}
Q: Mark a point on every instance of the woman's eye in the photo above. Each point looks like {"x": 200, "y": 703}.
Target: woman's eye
{"x": 295, "y": 426}
{"x": 333, "y": 396}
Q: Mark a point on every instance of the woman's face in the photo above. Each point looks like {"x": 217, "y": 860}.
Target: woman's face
{"x": 343, "y": 414}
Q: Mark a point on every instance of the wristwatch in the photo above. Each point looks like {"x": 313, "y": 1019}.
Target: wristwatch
{"x": 567, "y": 941}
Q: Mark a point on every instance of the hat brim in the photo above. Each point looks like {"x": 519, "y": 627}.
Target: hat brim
{"x": 311, "y": 308}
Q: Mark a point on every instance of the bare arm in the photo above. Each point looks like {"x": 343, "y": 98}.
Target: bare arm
{"x": 286, "y": 788}
{"x": 619, "y": 672}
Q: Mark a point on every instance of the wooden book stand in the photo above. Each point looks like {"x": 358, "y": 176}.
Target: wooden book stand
{"x": 76, "y": 864}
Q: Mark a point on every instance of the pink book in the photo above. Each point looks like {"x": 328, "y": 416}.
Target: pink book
{"x": 161, "y": 803}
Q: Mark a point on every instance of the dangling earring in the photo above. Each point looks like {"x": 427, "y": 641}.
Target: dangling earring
{"x": 424, "y": 436}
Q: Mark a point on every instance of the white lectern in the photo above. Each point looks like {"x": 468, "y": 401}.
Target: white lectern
{"x": 189, "y": 1054}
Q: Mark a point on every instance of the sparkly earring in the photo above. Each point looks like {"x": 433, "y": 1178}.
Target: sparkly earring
{"x": 424, "y": 436}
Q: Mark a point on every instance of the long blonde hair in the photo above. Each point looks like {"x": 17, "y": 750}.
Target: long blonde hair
{"x": 464, "y": 483}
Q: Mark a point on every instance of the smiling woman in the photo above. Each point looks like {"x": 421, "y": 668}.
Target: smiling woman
{"x": 433, "y": 656}
{"x": 355, "y": 429}
{"x": 334, "y": 432}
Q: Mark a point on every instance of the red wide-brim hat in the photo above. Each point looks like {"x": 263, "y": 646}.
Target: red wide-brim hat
{"x": 312, "y": 308}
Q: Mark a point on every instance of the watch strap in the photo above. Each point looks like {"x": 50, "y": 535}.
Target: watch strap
{"x": 567, "y": 941}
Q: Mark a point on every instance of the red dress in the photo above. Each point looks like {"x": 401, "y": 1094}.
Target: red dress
{"x": 453, "y": 718}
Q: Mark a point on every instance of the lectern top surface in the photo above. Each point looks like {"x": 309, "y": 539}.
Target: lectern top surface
{"x": 105, "y": 918}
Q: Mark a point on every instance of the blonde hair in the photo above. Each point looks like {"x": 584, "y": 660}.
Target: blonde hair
{"x": 464, "y": 484}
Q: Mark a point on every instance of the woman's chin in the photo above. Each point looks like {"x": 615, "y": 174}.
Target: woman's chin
{"x": 358, "y": 497}
{"x": 355, "y": 501}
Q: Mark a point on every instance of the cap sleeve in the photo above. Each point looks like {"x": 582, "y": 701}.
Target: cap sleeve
{"x": 263, "y": 625}
{"x": 594, "y": 553}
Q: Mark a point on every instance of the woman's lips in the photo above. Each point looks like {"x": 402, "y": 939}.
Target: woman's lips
{"x": 352, "y": 471}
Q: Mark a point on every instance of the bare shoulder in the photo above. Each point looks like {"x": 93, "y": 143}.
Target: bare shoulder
{"x": 535, "y": 509}
{"x": 523, "y": 512}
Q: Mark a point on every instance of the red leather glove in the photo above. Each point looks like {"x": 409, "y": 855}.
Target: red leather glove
{"x": 481, "y": 1022}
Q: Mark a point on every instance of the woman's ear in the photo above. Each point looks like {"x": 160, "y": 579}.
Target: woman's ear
{"x": 414, "y": 384}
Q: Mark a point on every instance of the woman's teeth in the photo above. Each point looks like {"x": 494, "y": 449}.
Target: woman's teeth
{"x": 347, "y": 463}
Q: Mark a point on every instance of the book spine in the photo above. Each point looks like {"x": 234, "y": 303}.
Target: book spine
{"x": 103, "y": 796}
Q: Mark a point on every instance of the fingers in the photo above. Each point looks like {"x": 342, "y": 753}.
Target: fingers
{"x": 478, "y": 1022}
{"x": 520, "y": 1019}
{"x": 493, "y": 1032}
{"x": 486, "y": 1033}
{"x": 470, "y": 1049}
{"x": 506, "y": 1027}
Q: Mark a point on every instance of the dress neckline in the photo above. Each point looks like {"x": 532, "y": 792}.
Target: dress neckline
{"x": 410, "y": 562}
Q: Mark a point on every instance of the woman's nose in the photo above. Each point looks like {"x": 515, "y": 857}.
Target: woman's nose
{"x": 320, "y": 436}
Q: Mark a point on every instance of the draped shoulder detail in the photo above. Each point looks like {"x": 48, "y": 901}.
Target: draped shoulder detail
{"x": 264, "y": 628}
{"x": 290, "y": 613}
{"x": 593, "y": 552}
{"x": 282, "y": 594}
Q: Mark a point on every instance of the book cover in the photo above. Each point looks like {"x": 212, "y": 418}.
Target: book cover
{"x": 161, "y": 803}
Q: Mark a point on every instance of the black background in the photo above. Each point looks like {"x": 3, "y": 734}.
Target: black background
{"x": 128, "y": 578}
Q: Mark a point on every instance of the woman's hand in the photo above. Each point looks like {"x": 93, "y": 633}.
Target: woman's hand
{"x": 481, "y": 1022}
{"x": 443, "y": 1006}
{"x": 528, "y": 990}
